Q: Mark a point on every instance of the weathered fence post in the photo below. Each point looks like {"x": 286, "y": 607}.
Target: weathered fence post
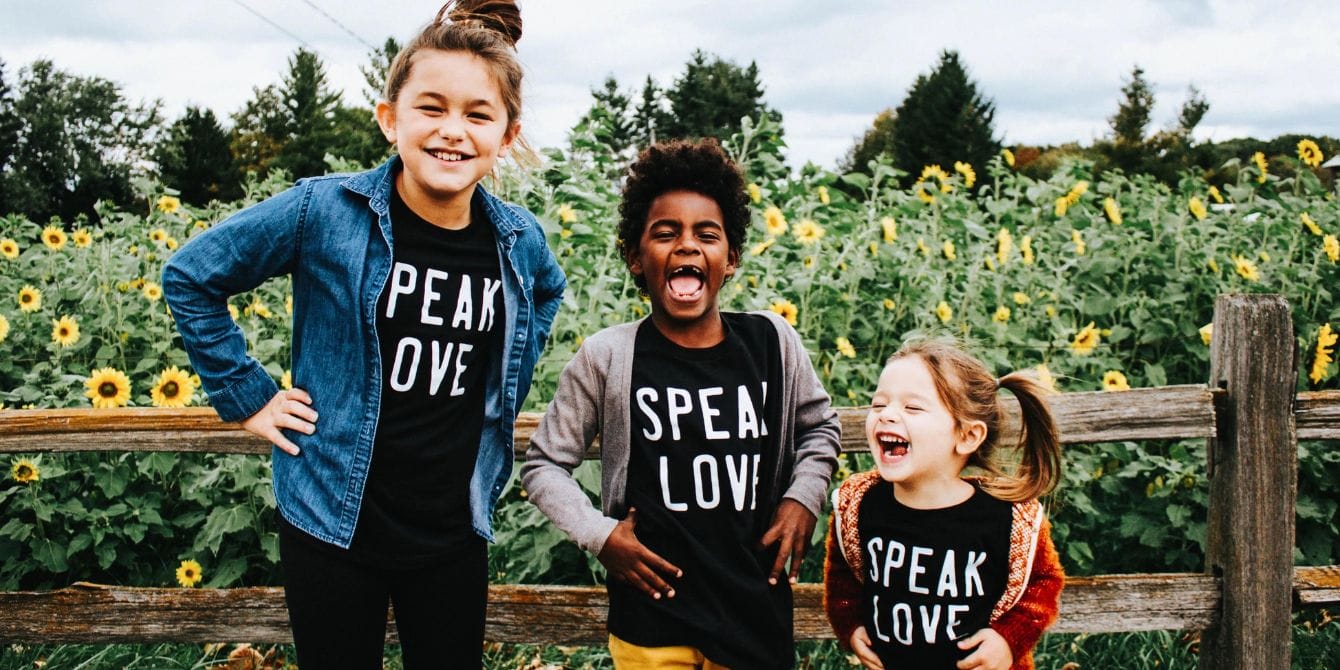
{"x": 1253, "y": 472}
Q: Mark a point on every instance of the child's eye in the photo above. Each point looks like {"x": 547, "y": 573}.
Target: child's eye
{"x": 912, "y": 408}
{"x": 481, "y": 116}
{"x": 876, "y": 406}
{"x": 429, "y": 109}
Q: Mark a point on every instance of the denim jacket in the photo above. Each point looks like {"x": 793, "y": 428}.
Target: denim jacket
{"x": 333, "y": 235}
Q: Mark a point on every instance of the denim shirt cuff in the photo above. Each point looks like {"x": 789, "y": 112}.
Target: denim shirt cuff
{"x": 246, "y": 397}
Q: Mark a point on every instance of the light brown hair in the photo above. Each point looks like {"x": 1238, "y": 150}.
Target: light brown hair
{"x": 488, "y": 29}
{"x": 969, "y": 391}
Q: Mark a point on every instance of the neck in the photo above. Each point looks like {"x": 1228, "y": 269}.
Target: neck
{"x": 452, "y": 213}
{"x": 938, "y": 494}
{"x": 701, "y": 333}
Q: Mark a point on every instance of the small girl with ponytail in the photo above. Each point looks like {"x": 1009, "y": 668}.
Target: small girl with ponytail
{"x": 421, "y": 303}
{"x": 927, "y": 568}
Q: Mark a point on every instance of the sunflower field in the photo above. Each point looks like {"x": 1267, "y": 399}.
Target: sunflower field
{"x": 1096, "y": 283}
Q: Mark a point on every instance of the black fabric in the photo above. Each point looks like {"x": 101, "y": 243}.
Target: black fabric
{"x": 701, "y": 502}
{"x": 416, "y": 504}
{"x": 923, "y": 566}
{"x": 337, "y": 605}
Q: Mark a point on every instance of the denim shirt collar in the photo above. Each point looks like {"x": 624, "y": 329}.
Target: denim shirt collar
{"x": 376, "y": 185}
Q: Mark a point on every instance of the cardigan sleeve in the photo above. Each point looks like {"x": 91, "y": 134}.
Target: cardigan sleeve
{"x": 842, "y": 592}
{"x": 1023, "y": 624}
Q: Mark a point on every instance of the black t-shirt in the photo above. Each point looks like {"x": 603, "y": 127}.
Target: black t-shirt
{"x": 439, "y": 326}
{"x": 933, "y": 576}
{"x": 704, "y": 427}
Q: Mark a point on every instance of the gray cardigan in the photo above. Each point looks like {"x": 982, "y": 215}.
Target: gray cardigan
{"x": 593, "y": 397}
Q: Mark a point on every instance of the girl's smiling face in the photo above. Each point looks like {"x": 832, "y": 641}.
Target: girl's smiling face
{"x": 915, "y": 440}
{"x": 684, "y": 258}
{"x": 450, "y": 126}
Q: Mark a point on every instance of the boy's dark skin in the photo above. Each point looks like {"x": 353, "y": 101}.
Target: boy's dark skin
{"x": 685, "y": 228}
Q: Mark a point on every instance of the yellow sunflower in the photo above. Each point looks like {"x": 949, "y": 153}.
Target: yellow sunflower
{"x": 1045, "y": 378}
{"x": 1008, "y": 156}
{"x": 1004, "y": 244}
{"x": 755, "y": 194}
{"x": 82, "y": 238}
{"x": 1326, "y": 340}
{"x": 1113, "y": 211}
{"x": 787, "y": 309}
{"x": 949, "y": 250}
{"x": 1197, "y": 208}
{"x": 1021, "y": 298}
{"x": 922, "y": 248}
{"x": 1246, "y": 268}
{"x": 30, "y": 299}
{"x": 1309, "y": 153}
{"x": 1259, "y": 159}
{"x": 1115, "y": 381}
{"x": 25, "y": 471}
{"x": 1078, "y": 239}
{"x": 890, "y": 229}
{"x": 174, "y": 388}
{"x": 1331, "y": 246}
{"x": 1207, "y": 333}
{"x": 54, "y": 238}
{"x": 170, "y": 243}
{"x": 889, "y": 303}
{"x": 152, "y": 291}
{"x": 1062, "y": 204}
{"x": 936, "y": 172}
{"x": 969, "y": 175}
{"x": 1311, "y": 225}
{"x": 944, "y": 312}
{"x": 808, "y": 232}
{"x": 65, "y": 330}
{"x": 763, "y": 246}
{"x": 168, "y": 204}
{"x": 9, "y": 248}
{"x": 4, "y": 327}
{"x": 1086, "y": 340}
{"x": 158, "y": 235}
{"x": 566, "y": 214}
{"x": 1026, "y": 249}
{"x": 823, "y": 195}
{"x": 189, "y": 573}
{"x": 774, "y": 220}
{"x": 844, "y": 347}
{"x": 108, "y": 388}
{"x": 1216, "y": 195}
{"x": 286, "y": 380}
{"x": 1002, "y": 314}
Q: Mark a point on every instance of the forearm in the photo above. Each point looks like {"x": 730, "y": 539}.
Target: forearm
{"x": 1022, "y": 625}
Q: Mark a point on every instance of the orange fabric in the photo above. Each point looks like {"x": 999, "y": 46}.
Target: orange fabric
{"x": 628, "y": 656}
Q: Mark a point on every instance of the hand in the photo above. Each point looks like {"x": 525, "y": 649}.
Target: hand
{"x": 792, "y": 527}
{"x": 993, "y": 652}
{"x": 291, "y": 409}
{"x": 860, "y": 643}
{"x": 631, "y": 562}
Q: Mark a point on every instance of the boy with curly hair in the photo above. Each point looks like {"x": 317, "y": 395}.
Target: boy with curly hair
{"x": 717, "y": 439}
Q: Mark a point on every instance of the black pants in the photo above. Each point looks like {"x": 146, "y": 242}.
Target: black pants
{"x": 337, "y": 606}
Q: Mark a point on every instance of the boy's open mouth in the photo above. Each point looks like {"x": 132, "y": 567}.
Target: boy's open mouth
{"x": 448, "y": 156}
{"x": 892, "y": 446}
{"x": 686, "y": 283}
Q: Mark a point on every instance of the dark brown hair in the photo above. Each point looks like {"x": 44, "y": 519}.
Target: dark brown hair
{"x": 489, "y": 29}
{"x": 968, "y": 391}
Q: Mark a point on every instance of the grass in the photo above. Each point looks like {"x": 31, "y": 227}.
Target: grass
{"x": 1316, "y": 646}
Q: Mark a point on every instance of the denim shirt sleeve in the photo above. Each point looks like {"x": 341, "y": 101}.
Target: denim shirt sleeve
{"x": 550, "y": 283}
{"x": 233, "y": 257}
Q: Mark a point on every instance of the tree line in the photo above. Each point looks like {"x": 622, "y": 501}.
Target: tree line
{"x": 68, "y": 141}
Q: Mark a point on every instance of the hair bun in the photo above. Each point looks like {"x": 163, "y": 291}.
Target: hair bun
{"x": 500, "y": 16}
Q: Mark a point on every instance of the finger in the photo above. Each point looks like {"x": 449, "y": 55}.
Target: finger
{"x": 868, "y": 658}
{"x": 659, "y": 564}
{"x": 654, "y": 581}
{"x": 778, "y": 564}
{"x": 298, "y": 408}
{"x": 636, "y": 581}
{"x": 798, "y": 548}
{"x": 972, "y": 661}
{"x": 299, "y": 395}
{"x": 770, "y": 536}
{"x": 285, "y": 445}
{"x": 972, "y": 640}
{"x": 294, "y": 423}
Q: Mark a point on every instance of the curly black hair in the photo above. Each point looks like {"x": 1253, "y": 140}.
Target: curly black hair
{"x": 682, "y": 165}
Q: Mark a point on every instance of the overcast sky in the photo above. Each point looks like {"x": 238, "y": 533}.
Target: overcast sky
{"x": 1053, "y": 69}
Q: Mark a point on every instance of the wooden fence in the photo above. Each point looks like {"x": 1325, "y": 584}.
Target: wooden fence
{"x": 1242, "y": 601}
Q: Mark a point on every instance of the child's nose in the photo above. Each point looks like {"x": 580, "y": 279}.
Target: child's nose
{"x": 451, "y": 127}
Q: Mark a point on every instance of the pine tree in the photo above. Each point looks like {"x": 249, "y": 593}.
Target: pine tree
{"x": 196, "y": 159}
{"x": 942, "y": 120}
{"x": 610, "y": 117}
{"x": 374, "y": 73}
{"x": 651, "y": 120}
{"x": 1133, "y": 113}
{"x": 711, "y": 97}
{"x": 260, "y": 130}
{"x": 310, "y": 106}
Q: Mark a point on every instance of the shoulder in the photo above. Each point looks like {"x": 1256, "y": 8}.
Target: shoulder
{"x": 848, "y": 495}
{"x": 611, "y": 339}
{"x": 786, "y": 334}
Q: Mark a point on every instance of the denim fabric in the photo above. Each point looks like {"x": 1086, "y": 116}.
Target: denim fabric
{"x": 332, "y": 234}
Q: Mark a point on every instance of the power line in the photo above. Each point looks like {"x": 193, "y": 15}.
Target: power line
{"x": 343, "y": 27}
{"x": 281, "y": 29}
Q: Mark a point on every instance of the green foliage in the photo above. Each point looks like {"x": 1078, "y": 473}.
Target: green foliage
{"x": 195, "y": 159}
{"x": 711, "y": 97}
{"x": 72, "y": 141}
{"x": 943, "y": 119}
{"x": 374, "y": 72}
{"x": 309, "y": 105}
{"x": 877, "y": 141}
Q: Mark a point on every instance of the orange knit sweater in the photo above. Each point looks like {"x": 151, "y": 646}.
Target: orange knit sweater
{"x": 1032, "y": 592}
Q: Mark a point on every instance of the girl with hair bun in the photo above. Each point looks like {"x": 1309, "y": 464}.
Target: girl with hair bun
{"x": 420, "y": 305}
{"x": 929, "y": 569}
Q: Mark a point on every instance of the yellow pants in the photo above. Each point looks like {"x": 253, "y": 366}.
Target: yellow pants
{"x": 632, "y": 657}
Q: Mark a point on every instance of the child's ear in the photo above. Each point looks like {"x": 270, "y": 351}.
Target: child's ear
{"x": 385, "y": 113}
{"x": 508, "y": 138}
{"x": 971, "y": 435}
{"x": 732, "y": 262}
